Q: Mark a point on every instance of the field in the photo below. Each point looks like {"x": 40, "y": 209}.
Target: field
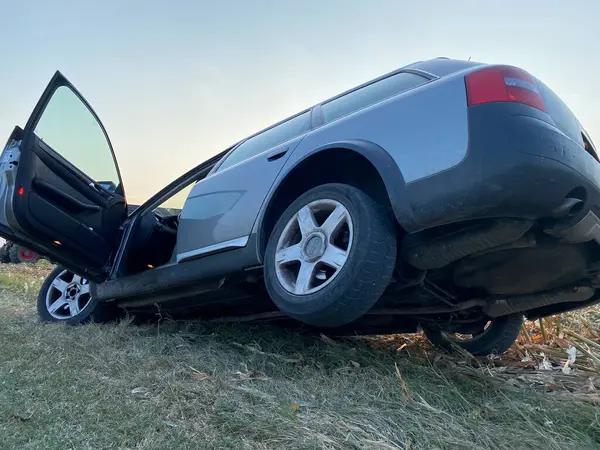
{"x": 191, "y": 385}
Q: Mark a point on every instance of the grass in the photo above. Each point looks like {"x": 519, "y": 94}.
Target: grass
{"x": 193, "y": 385}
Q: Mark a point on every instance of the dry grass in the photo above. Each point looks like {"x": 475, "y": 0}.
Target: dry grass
{"x": 192, "y": 385}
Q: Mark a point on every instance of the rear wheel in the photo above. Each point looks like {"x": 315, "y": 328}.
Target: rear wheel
{"x": 66, "y": 297}
{"x": 330, "y": 256}
{"x": 493, "y": 336}
{"x": 19, "y": 254}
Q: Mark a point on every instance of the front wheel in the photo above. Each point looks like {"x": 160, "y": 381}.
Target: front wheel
{"x": 330, "y": 256}
{"x": 493, "y": 336}
{"x": 66, "y": 297}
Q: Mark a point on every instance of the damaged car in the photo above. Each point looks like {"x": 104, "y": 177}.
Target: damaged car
{"x": 451, "y": 196}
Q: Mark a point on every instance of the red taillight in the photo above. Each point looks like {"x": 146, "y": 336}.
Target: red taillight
{"x": 503, "y": 84}
{"x": 21, "y": 190}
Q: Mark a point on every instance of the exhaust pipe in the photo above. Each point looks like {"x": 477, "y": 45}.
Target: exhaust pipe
{"x": 568, "y": 208}
{"x": 587, "y": 229}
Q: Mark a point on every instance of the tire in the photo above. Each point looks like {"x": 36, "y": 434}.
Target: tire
{"x": 498, "y": 337}
{"x": 353, "y": 289}
{"x": 19, "y": 254}
{"x": 4, "y": 256}
{"x": 91, "y": 310}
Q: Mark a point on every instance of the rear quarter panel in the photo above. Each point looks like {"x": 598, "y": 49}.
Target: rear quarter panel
{"x": 425, "y": 130}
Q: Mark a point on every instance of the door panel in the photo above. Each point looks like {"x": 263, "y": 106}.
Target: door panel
{"x": 63, "y": 194}
{"x": 221, "y": 209}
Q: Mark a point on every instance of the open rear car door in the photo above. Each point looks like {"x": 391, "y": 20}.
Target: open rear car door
{"x": 60, "y": 189}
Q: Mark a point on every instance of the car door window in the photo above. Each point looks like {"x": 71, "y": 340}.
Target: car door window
{"x": 178, "y": 199}
{"x": 268, "y": 139}
{"x": 370, "y": 94}
{"x": 70, "y": 129}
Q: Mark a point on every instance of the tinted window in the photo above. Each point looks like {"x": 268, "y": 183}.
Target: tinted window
{"x": 72, "y": 131}
{"x": 270, "y": 138}
{"x": 370, "y": 94}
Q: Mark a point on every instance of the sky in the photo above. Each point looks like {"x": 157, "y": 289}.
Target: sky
{"x": 175, "y": 82}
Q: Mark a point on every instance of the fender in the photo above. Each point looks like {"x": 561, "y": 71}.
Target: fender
{"x": 383, "y": 163}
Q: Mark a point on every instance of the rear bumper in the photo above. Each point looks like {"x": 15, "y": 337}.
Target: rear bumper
{"x": 517, "y": 165}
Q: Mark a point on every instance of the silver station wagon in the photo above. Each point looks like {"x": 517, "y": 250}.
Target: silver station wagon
{"x": 450, "y": 196}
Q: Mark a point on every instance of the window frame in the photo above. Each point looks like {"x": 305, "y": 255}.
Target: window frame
{"x": 317, "y": 120}
{"x": 34, "y": 120}
{"x": 311, "y": 127}
{"x": 429, "y": 77}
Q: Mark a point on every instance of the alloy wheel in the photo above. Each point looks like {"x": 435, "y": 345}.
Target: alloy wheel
{"x": 68, "y": 295}
{"x": 314, "y": 246}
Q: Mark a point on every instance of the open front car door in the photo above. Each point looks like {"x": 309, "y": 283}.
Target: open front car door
{"x": 61, "y": 193}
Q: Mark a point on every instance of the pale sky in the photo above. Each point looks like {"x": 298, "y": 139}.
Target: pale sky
{"x": 175, "y": 82}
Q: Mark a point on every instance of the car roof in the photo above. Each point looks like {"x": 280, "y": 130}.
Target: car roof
{"x": 443, "y": 66}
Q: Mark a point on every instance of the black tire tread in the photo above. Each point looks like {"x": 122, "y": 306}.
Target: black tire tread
{"x": 498, "y": 339}
{"x": 367, "y": 278}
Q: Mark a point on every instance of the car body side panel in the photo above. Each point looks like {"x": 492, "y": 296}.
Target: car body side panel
{"x": 8, "y": 168}
{"x": 381, "y": 160}
{"x": 425, "y": 130}
{"x": 223, "y": 207}
{"x": 430, "y": 136}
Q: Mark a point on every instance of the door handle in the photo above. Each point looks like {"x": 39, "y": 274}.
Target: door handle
{"x": 277, "y": 154}
{"x": 65, "y": 199}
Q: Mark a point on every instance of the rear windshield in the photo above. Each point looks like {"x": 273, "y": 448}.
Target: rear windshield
{"x": 370, "y": 94}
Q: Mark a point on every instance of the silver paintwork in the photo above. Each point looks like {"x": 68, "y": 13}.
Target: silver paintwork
{"x": 225, "y": 205}
{"x": 68, "y": 296}
{"x": 222, "y": 246}
{"x": 424, "y": 130}
{"x": 306, "y": 249}
{"x": 8, "y": 173}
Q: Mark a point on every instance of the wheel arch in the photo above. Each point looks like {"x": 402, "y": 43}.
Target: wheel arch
{"x": 376, "y": 172}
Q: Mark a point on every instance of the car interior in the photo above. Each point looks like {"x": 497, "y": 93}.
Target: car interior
{"x": 155, "y": 235}
{"x": 153, "y": 242}
{"x": 153, "y": 238}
